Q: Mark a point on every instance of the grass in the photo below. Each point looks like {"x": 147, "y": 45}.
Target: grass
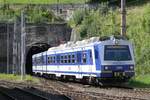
{"x": 17, "y": 78}
{"x": 141, "y": 81}
{"x": 42, "y": 1}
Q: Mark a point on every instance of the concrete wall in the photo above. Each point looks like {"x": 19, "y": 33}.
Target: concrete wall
{"x": 53, "y": 34}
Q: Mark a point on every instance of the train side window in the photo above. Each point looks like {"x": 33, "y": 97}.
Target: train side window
{"x": 54, "y": 59}
{"x": 41, "y": 60}
{"x": 36, "y": 60}
{"x": 49, "y": 60}
{"x": 73, "y": 61}
{"x": 84, "y": 58}
{"x": 73, "y": 56}
{"x": 61, "y": 57}
{"x": 69, "y": 58}
{"x": 91, "y": 59}
{"x": 61, "y": 61}
{"x": 58, "y": 59}
{"x": 96, "y": 54}
{"x": 65, "y": 61}
{"x": 69, "y": 61}
{"x": 65, "y": 56}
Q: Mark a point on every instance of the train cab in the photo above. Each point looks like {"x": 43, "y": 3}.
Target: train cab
{"x": 117, "y": 59}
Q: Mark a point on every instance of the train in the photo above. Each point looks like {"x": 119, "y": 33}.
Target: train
{"x": 94, "y": 60}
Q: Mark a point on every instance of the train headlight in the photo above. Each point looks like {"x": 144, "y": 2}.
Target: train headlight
{"x": 131, "y": 67}
{"x": 106, "y": 67}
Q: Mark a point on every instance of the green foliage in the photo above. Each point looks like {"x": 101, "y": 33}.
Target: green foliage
{"x": 41, "y": 1}
{"x": 78, "y": 17}
{"x": 100, "y": 22}
{"x": 40, "y": 15}
{"x": 141, "y": 81}
{"x": 138, "y": 32}
{"x": 34, "y": 14}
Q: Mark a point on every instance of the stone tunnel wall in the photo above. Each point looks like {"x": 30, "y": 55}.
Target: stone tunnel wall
{"x": 53, "y": 34}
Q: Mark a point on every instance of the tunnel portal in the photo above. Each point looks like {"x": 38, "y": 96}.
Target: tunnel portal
{"x": 34, "y": 49}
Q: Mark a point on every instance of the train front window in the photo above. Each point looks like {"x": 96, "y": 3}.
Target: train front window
{"x": 117, "y": 53}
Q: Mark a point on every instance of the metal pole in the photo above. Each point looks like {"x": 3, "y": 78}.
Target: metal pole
{"x": 23, "y": 35}
{"x": 57, "y": 7}
{"x": 4, "y": 4}
{"x": 14, "y": 50}
{"x": 7, "y": 48}
{"x": 123, "y": 17}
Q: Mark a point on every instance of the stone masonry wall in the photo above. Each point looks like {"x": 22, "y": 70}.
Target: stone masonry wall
{"x": 53, "y": 34}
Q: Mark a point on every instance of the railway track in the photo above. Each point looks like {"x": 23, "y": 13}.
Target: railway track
{"x": 84, "y": 93}
{"x": 19, "y": 94}
{"x": 5, "y": 96}
{"x": 28, "y": 94}
{"x": 69, "y": 90}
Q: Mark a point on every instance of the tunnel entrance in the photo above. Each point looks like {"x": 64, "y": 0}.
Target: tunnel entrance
{"x": 36, "y": 48}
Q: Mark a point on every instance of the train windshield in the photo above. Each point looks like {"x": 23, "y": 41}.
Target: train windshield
{"x": 117, "y": 53}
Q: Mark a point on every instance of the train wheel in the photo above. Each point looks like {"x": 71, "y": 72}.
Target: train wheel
{"x": 98, "y": 83}
{"x": 38, "y": 74}
{"x": 73, "y": 79}
{"x": 62, "y": 78}
{"x": 86, "y": 80}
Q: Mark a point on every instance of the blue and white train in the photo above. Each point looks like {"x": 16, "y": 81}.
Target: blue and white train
{"x": 92, "y": 60}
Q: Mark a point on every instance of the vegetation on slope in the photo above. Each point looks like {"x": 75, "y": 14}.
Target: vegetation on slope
{"x": 140, "y": 81}
{"x": 116, "y": 2}
{"x": 34, "y": 14}
{"x": 41, "y": 1}
{"x": 106, "y": 21}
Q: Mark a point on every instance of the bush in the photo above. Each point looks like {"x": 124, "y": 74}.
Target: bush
{"x": 33, "y": 14}
{"x": 99, "y": 23}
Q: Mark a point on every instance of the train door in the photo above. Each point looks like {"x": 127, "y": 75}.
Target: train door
{"x": 46, "y": 61}
{"x": 42, "y": 62}
{"x": 34, "y": 64}
{"x": 79, "y": 64}
{"x": 83, "y": 64}
{"x": 89, "y": 60}
{"x": 57, "y": 61}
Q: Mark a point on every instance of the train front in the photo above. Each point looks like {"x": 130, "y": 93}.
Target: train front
{"x": 117, "y": 60}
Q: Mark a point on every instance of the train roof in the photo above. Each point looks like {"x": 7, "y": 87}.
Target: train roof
{"x": 76, "y": 44}
{"x": 86, "y": 42}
